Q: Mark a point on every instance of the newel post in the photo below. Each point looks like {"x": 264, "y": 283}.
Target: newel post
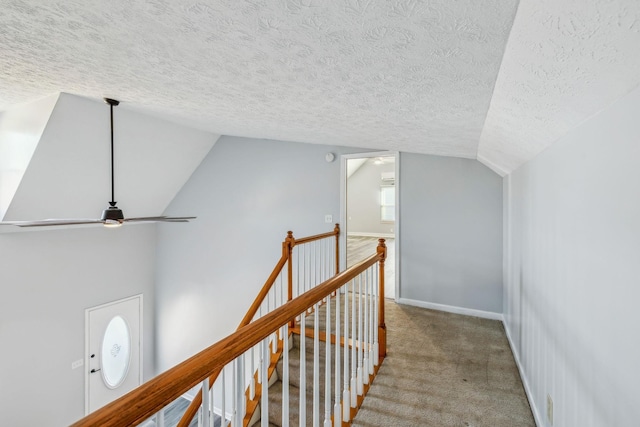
{"x": 336, "y": 230}
{"x": 382, "y": 327}
{"x": 287, "y": 245}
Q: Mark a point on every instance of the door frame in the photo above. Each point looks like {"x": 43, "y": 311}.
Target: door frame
{"x": 87, "y": 351}
{"x": 343, "y": 208}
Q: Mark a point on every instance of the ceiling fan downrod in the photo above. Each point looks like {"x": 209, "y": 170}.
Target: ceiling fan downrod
{"x": 112, "y": 215}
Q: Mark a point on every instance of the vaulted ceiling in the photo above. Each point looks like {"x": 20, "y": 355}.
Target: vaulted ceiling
{"x": 496, "y": 80}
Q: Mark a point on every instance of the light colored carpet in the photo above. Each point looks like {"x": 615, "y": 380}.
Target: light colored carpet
{"x": 443, "y": 370}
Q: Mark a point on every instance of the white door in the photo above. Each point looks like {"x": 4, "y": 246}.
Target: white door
{"x": 113, "y": 350}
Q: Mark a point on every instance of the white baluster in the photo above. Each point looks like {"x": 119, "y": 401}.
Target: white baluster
{"x": 321, "y": 261}
{"x": 160, "y": 418}
{"x": 240, "y": 367}
{"x": 298, "y": 267}
{"x": 213, "y": 406}
{"x": 316, "y": 367}
{"x": 337, "y": 409}
{"x": 260, "y": 355}
{"x": 205, "y": 402}
{"x": 376, "y": 287}
{"x": 252, "y": 369}
{"x": 234, "y": 393}
{"x": 264, "y": 404}
{"x": 223, "y": 401}
{"x": 360, "y": 382}
{"x": 303, "y": 371}
{"x": 371, "y": 319}
{"x": 285, "y": 376}
{"x": 354, "y": 344}
{"x": 274, "y": 336}
{"x": 327, "y": 366}
{"x": 365, "y": 346}
{"x": 346, "y": 393}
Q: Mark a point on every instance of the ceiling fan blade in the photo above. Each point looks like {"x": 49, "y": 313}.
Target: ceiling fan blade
{"x": 160, "y": 219}
{"x": 53, "y": 222}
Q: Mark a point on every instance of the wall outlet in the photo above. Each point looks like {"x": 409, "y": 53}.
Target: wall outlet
{"x": 328, "y": 219}
{"x": 549, "y": 410}
{"x": 77, "y": 364}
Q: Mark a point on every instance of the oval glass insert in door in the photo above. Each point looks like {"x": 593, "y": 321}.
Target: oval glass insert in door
{"x": 116, "y": 352}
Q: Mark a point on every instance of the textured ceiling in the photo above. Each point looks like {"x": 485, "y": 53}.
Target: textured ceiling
{"x": 565, "y": 61}
{"x": 407, "y": 75}
{"x": 404, "y": 74}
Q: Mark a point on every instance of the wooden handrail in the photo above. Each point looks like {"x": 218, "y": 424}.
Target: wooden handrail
{"x": 308, "y": 239}
{"x": 192, "y": 409}
{"x": 287, "y": 251}
{"x": 144, "y": 401}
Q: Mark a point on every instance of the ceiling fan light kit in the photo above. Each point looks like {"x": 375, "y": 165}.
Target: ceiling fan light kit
{"x": 112, "y": 216}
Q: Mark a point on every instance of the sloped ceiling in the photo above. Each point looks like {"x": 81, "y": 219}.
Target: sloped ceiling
{"x": 465, "y": 78}
{"x": 68, "y": 175}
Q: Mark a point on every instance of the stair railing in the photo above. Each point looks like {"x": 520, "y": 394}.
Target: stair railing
{"x": 296, "y": 255}
{"x": 361, "y": 286}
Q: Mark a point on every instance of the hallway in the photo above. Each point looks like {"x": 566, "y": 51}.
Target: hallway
{"x": 442, "y": 370}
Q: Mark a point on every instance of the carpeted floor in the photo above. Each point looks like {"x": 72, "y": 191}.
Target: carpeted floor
{"x": 443, "y": 370}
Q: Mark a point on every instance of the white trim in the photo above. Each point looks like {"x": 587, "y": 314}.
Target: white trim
{"x": 364, "y": 234}
{"x": 523, "y": 378}
{"x": 343, "y": 208}
{"x": 451, "y": 309}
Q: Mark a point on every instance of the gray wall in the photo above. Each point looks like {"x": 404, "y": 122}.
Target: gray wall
{"x": 450, "y": 232}
{"x": 363, "y": 199}
{"x": 246, "y": 193}
{"x": 47, "y": 280}
{"x": 573, "y": 271}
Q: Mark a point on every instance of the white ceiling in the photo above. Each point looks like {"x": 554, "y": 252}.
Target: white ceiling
{"x": 457, "y": 78}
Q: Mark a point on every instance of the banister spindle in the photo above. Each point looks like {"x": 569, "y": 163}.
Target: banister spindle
{"x": 316, "y": 367}
{"x": 346, "y": 393}
{"x": 285, "y": 376}
{"x": 354, "y": 344}
{"x": 223, "y": 402}
{"x": 336, "y": 406}
{"x": 234, "y": 394}
{"x": 303, "y": 370}
{"x": 360, "y": 382}
{"x": 264, "y": 403}
{"x": 376, "y": 351}
{"x": 327, "y": 365}
{"x": 372, "y": 324}
{"x": 252, "y": 381}
{"x": 365, "y": 346}
{"x": 336, "y": 230}
{"x": 205, "y": 402}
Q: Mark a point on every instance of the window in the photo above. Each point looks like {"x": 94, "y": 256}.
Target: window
{"x": 387, "y": 203}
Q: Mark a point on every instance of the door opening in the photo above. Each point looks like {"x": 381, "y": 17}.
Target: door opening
{"x": 369, "y": 210}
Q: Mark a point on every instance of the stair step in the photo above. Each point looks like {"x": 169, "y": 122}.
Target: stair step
{"x": 275, "y": 405}
{"x": 275, "y": 390}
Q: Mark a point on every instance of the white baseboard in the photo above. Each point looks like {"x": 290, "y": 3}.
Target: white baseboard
{"x": 451, "y": 309}
{"x": 525, "y": 383}
{"x": 378, "y": 235}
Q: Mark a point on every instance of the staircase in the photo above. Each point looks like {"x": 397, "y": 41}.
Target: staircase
{"x": 308, "y": 319}
{"x": 306, "y": 400}
{"x": 276, "y": 389}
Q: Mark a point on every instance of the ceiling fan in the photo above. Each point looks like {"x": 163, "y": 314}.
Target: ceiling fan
{"x": 112, "y": 216}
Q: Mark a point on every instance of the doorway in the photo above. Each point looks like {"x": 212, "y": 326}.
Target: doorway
{"x": 113, "y": 351}
{"x": 369, "y": 210}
